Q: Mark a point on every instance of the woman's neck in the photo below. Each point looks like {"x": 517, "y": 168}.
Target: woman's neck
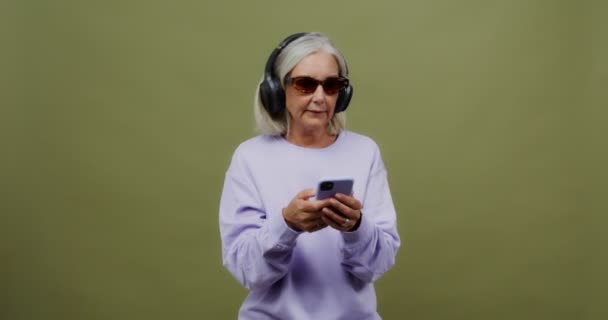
{"x": 310, "y": 138}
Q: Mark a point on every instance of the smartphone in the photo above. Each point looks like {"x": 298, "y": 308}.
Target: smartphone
{"x": 328, "y": 187}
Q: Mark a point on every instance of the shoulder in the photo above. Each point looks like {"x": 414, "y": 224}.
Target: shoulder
{"x": 256, "y": 149}
{"x": 366, "y": 148}
{"x": 359, "y": 140}
{"x": 249, "y": 152}
{"x": 258, "y": 144}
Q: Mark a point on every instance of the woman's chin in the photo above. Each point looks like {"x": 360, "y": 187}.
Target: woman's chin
{"x": 316, "y": 124}
{"x": 316, "y": 116}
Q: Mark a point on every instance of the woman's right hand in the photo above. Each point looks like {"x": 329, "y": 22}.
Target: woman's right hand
{"x": 304, "y": 215}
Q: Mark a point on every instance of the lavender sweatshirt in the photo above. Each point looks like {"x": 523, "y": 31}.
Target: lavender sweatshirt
{"x": 298, "y": 275}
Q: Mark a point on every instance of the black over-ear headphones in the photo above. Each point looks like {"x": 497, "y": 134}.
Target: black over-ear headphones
{"x": 272, "y": 93}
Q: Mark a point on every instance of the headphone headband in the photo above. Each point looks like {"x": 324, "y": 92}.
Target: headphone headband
{"x": 275, "y": 53}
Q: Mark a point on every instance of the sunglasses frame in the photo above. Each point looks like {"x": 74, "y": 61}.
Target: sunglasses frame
{"x": 342, "y": 83}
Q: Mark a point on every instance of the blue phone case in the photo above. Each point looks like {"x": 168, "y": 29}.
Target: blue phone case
{"x": 327, "y": 188}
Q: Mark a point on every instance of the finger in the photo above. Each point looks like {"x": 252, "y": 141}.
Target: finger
{"x": 312, "y": 205}
{"x": 310, "y": 217}
{"x": 343, "y": 209}
{"x": 336, "y": 218}
{"x": 349, "y": 201}
{"x": 317, "y": 205}
{"x": 332, "y": 223}
{"x": 305, "y": 194}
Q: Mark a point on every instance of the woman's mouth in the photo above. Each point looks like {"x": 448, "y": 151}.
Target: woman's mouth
{"x": 316, "y": 111}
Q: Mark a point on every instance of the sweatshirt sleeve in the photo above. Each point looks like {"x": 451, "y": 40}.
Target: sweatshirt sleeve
{"x": 256, "y": 250}
{"x": 370, "y": 250}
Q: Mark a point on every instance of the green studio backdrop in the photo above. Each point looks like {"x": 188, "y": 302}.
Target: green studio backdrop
{"x": 119, "y": 118}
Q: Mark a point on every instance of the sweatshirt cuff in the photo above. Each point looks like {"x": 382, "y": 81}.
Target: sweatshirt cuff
{"x": 361, "y": 235}
{"x": 281, "y": 233}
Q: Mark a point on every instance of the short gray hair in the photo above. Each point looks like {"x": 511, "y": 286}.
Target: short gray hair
{"x": 289, "y": 57}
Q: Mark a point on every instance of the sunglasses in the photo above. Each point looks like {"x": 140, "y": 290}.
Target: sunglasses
{"x": 308, "y": 85}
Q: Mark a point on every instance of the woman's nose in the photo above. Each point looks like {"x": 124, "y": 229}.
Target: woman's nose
{"x": 319, "y": 94}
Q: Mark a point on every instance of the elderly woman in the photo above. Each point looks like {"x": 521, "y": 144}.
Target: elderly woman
{"x": 299, "y": 257}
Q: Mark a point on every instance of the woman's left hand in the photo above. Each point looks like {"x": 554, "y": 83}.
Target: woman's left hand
{"x": 343, "y": 213}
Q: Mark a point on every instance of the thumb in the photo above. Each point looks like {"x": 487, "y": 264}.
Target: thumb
{"x": 306, "y": 194}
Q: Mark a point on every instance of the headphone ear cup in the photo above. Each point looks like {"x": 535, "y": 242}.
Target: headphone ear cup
{"x": 344, "y": 98}
{"x": 264, "y": 93}
{"x": 279, "y": 103}
{"x": 272, "y": 96}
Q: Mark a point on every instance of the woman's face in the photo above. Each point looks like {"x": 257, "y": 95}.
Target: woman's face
{"x": 312, "y": 111}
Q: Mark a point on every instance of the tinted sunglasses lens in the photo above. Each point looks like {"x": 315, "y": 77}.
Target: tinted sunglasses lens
{"x": 305, "y": 84}
{"x": 308, "y": 85}
{"x": 331, "y": 86}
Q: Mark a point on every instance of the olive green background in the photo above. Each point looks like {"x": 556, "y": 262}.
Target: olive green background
{"x": 118, "y": 120}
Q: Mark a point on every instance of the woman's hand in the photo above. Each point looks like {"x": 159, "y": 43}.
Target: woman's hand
{"x": 343, "y": 212}
{"x": 304, "y": 215}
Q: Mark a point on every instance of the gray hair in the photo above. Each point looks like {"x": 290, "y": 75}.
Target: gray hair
{"x": 289, "y": 57}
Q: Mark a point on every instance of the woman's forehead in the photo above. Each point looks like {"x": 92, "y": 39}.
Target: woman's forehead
{"x": 317, "y": 64}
